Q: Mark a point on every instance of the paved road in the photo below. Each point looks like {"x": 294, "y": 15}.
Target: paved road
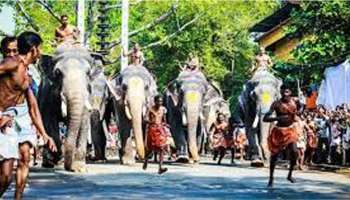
{"x": 204, "y": 181}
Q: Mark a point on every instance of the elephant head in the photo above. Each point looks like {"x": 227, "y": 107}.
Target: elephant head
{"x": 135, "y": 88}
{"x": 214, "y": 103}
{"x": 72, "y": 68}
{"x": 192, "y": 90}
{"x": 260, "y": 92}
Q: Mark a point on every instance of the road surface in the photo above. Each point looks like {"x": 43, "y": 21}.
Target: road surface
{"x": 203, "y": 181}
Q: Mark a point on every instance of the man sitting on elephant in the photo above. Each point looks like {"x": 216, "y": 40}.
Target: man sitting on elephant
{"x": 283, "y": 135}
{"x": 136, "y": 55}
{"x": 157, "y": 133}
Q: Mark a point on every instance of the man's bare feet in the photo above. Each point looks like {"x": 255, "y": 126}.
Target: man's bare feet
{"x": 291, "y": 179}
{"x": 270, "y": 184}
{"x": 162, "y": 170}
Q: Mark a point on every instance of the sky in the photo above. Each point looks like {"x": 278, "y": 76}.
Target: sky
{"x": 7, "y": 23}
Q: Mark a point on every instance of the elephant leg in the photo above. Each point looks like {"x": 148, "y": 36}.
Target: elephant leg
{"x": 253, "y": 147}
{"x": 181, "y": 144}
{"x": 98, "y": 136}
{"x": 50, "y": 159}
{"x": 69, "y": 149}
{"x": 129, "y": 152}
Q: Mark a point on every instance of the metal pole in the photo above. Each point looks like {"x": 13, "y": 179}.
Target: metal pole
{"x": 124, "y": 43}
{"x": 81, "y": 20}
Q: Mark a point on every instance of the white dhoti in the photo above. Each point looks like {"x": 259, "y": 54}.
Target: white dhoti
{"x": 21, "y": 131}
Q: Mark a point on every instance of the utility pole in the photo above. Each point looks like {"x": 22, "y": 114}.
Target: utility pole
{"x": 81, "y": 20}
{"x": 125, "y": 40}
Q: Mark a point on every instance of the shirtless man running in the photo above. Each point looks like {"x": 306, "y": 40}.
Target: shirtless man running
{"x": 66, "y": 32}
{"x": 16, "y": 117}
{"x": 157, "y": 133}
{"x": 283, "y": 136}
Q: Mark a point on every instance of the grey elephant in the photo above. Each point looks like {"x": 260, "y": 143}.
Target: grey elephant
{"x": 101, "y": 108}
{"x": 254, "y": 102}
{"x": 184, "y": 99}
{"x": 72, "y": 67}
{"x": 215, "y": 105}
{"x": 133, "y": 89}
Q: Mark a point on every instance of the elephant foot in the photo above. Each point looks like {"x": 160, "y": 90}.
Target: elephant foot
{"x": 128, "y": 160}
{"x": 79, "y": 167}
{"x": 257, "y": 163}
{"x": 183, "y": 159}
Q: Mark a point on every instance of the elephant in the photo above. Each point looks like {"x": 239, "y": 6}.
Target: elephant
{"x": 134, "y": 88}
{"x": 49, "y": 94}
{"x": 184, "y": 99}
{"x": 101, "y": 108}
{"x": 214, "y": 104}
{"x": 67, "y": 83}
{"x": 73, "y": 65}
{"x": 253, "y": 103}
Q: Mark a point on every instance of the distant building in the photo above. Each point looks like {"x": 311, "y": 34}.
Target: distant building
{"x": 270, "y": 32}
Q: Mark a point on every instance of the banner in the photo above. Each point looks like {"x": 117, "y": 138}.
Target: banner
{"x": 335, "y": 88}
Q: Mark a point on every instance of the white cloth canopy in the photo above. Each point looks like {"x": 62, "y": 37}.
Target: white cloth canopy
{"x": 335, "y": 88}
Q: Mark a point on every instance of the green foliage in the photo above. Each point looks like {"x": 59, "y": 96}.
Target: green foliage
{"x": 219, "y": 37}
{"x": 324, "y": 26}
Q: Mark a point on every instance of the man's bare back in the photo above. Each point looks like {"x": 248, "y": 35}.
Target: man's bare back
{"x": 14, "y": 82}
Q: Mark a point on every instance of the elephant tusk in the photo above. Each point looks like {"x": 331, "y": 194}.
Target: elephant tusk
{"x": 256, "y": 121}
{"x": 184, "y": 119}
{"x": 87, "y": 105}
{"x": 127, "y": 112}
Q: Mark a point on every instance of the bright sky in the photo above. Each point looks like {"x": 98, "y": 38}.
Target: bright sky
{"x": 7, "y": 23}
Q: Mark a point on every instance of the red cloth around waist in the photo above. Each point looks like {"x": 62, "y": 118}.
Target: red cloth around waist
{"x": 280, "y": 138}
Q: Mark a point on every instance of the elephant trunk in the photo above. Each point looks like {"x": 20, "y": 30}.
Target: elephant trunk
{"x": 136, "y": 99}
{"x": 264, "y": 132}
{"x": 192, "y": 112}
{"x": 75, "y": 97}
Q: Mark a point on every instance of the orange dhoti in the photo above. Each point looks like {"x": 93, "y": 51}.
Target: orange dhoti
{"x": 221, "y": 140}
{"x": 311, "y": 140}
{"x": 280, "y": 138}
{"x": 157, "y": 137}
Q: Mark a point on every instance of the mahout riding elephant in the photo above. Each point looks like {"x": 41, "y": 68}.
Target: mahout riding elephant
{"x": 134, "y": 89}
{"x": 254, "y": 102}
{"x": 185, "y": 98}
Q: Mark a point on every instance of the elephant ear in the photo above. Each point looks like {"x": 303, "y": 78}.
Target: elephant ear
{"x": 211, "y": 93}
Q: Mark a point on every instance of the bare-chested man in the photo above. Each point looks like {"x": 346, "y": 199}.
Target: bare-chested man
{"x": 136, "y": 55}
{"x": 157, "y": 133}
{"x": 19, "y": 110}
{"x": 66, "y": 32}
{"x": 283, "y": 136}
{"x": 262, "y": 61}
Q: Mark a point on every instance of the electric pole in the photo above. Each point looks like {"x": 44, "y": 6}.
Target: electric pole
{"x": 125, "y": 32}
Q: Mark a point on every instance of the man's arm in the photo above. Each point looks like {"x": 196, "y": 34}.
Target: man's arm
{"x": 8, "y": 65}
{"x": 37, "y": 120}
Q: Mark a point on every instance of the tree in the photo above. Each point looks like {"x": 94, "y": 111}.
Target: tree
{"x": 324, "y": 29}
{"x": 216, "y": 31}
